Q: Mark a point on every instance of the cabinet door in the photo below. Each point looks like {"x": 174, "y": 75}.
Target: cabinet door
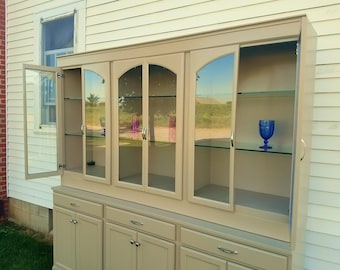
{"x": 148, "y": 116}
{"x": 89, "y": 234}
{"x": 233, "y": 266}
{"x": 211, "y": 126}
{"x": 266, "y": 101}
{"x": 64, "y": 239}
{"x": 42, "y": 141}
{"x": 154, "y": 253}
{"x": 194, "y": 260}
{"x": 96, "y": 115}
{"x": 120, "y": 249}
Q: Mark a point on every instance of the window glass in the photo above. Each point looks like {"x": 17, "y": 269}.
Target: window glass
{"x": 57, "y": 40}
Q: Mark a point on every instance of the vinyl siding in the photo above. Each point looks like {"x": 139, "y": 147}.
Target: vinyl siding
{"x": 119, "y": 23}
{"x": 21, "y": 45}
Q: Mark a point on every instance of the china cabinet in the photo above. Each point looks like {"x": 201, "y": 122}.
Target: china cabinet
{"x": 173, "y": 126}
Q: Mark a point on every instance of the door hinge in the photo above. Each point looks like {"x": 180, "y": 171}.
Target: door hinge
{"x": 60, "y": 75}
{"x": 297, "y": 48}
{"x": 62, "y": 166}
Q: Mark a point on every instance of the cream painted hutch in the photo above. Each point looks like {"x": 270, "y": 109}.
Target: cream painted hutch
{"x": 159, "y": 150}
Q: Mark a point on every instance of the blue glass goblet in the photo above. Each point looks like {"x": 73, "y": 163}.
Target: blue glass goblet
{"x": 266, "y": 128}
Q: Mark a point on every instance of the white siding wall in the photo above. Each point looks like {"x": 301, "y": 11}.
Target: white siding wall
{"x": 23, "y": 46}
{"x": 118, "y": 23}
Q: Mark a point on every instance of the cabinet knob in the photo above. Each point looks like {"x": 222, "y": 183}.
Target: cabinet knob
{"x": 73, "y": 221}
{"x": 137, "y": 244}
{"x": 144, "y": 129}
{"x": 228, "y": 251}
{"x": 132, "y": 242}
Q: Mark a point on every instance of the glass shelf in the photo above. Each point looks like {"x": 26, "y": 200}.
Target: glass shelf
{"x": 154, "y": 180}
{"x": 96, "y": 170}
{"x": 139, "y": 97}
{"x": 246, "y": 198}
{"x": 214, "y": 143}
{"x": 129, "y": 97}
{"x": 73, "y": 133}
{"x": 283, "y": 92}
{"x": 95, "y": 134}
{"x": 255, "y": 148}
{"x": 73, "y": 98}
{"x": 225, "y": 144}
{"x": 170, "y": 96}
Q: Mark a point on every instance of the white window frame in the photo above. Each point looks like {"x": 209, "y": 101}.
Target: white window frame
{"x": 53, "y": 13}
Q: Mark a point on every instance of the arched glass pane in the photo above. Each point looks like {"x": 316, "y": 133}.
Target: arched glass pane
{"x": 130, "y": 126}
{"x": 213, "y": 105}
{"x": 162, "y": 128}
{"x": 95, "y": 123}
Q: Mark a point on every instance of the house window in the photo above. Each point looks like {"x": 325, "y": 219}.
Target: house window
{"x": 57, "y": 40}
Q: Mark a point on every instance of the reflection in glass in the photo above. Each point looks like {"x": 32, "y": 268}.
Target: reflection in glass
{"x": 95, "y": 123}
{"x": 214, "y": 88}
{"x": 162, "y": 128}
{"x": 130, "y": 126}
{"x": 41, "y": 146}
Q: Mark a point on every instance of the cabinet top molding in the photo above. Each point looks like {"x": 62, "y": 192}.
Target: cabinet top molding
{"x": 284, "y": 29}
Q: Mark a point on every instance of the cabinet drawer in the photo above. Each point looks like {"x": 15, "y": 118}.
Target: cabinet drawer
{"x": 79, "y": 205}
{"x": 233, "y": 251}
{"x": 141, "y": 223}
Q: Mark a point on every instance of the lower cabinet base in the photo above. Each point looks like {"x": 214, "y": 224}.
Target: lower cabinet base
{"x": 93, "y": 231}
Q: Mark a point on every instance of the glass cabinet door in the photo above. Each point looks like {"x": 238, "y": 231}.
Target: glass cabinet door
{"x": 149, "y": 106}
{"x": 95, "y": 128}
{"x": 40, "y": 111}
{"x": 130, "y": 122}
{"x": 212, "y": 121}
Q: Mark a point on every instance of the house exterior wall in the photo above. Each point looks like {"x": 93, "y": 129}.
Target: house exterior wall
{"x": 119, "y": 23}
{"x": 3, "y": 182}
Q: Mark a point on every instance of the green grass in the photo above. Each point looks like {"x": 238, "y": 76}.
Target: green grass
{"x": 22, "y": 249}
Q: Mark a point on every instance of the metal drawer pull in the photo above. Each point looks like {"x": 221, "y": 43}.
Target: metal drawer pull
{"x": 232, "y": 139}
{"x": 138, "y": 223}
{"x": 74, "y": 204}
{"x": 304, "y": 149}
{"x": 228, "y": 251}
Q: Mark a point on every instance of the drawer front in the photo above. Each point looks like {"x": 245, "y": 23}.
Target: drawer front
{"x": 141, "y": 223}
{"x": 79, "y": 205}
{"x": 233, "y": 251}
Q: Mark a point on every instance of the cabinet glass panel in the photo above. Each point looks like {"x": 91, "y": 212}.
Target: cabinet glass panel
{"x": 41, "y": 157}
{"x": 95, "y": 135}
{"x": 213, "y": 120}
{"x": 73, "y": 139}
{"x": 266, "y": 90}
{"x": 162, "y": 128}
{"x": 130, "y": 126}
